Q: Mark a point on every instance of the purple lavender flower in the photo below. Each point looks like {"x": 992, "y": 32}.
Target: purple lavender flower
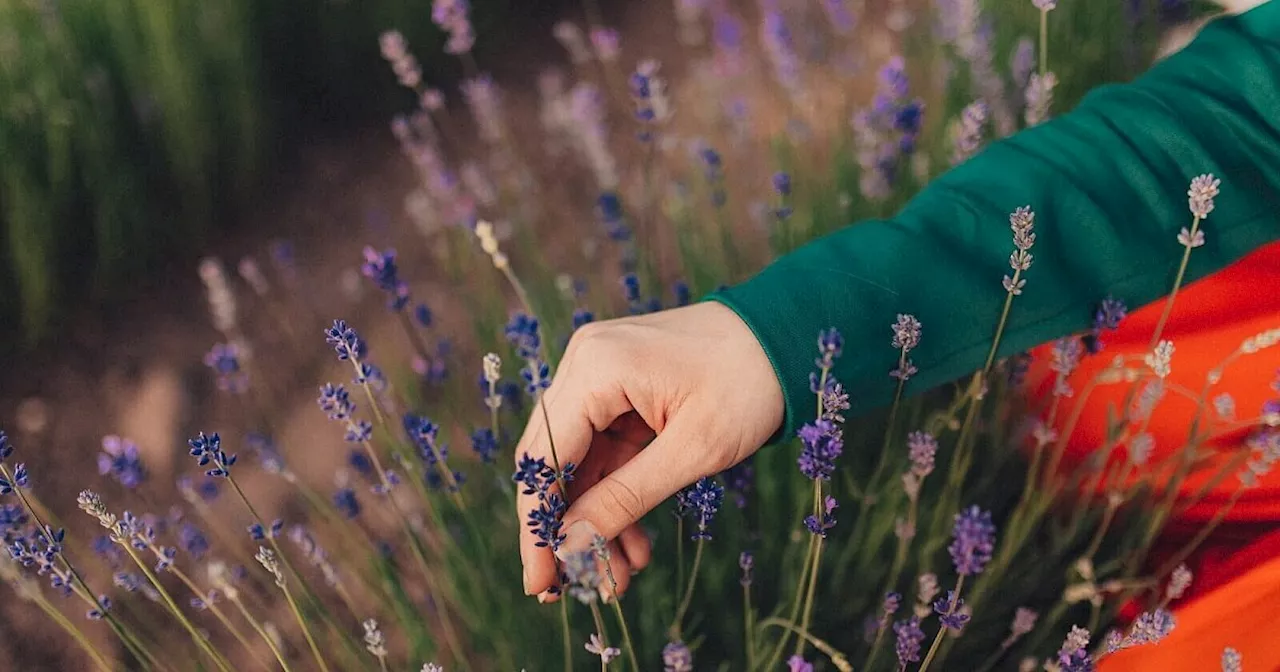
{"x": 922, "y": 449}
{"x": 422, "y": 315}
{"x": 336, "y": 402}
{"x": 208, "y": 449}
{"x": 224, "y": 359}
{"x": 1201, "y": 194}
{"x": 969, "y": 132}
{"x": 726, "y": 32}
{"x": 485, "y": 444}
{"x": 830, "y": 346}
{"x": 6, "y": 448}
{"x": 798, "y": 664}
{"x": 381, "y": 268}
{"x": 740, "y": 480}
{"x": 950, "y": 610}
{"x": 747, "y": 563}
{"x": 841, "y": 18}
{"x": 822, "y": 444}
{"x": 258, "y": 532}
{"x": 522, "y": 332}
{"x": 345, "y": 341}
{"x": 582, "y": 317}
{"x": 1076, "y": 660}
{"x": 704, "y": 499}
{"x": 344, "y": 500}
{"x": 537, "y": 478}
{"x": 452, "y": 17}
{"x": 973, "y": 540}
{"x": 193, "y": 541}
{"x": 780, "y": 49}
{"x": 1107, "y": 317}
{"x": 909, "y": 637}
{"x": 676, "y": 657}
{"x": 1231, "y": 660}
{"x": 120, "y": 458}
{"x": 1039, "y": 97}
{"x": 821, "y": 526}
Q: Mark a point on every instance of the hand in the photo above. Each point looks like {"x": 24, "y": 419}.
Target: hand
{"x": 645, "y": 406}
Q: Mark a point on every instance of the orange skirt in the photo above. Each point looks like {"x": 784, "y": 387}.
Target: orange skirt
{"x": 1235, "y": 598}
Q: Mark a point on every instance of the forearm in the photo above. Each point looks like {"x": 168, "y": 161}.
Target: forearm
{"x": 1107, "y": 183}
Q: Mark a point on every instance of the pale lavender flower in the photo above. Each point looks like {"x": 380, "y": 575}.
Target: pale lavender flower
{"x": 569, "y": 35}
{"x": 906, "y": 333}
{"x": 1149, "y": 628}
{"x": 1022, "y": 223}
{"x": 1265, "y": 447}
{"x": 374, "y": 642}
{"x": 1225, "y": 406}
{"x": 596, "y": 646}
{"x": 452, "y": 17}
{"x": 1187, "y": 238}
{"x": 779, "y": 47}
{"x": 1231, "y": 660}
{"x": 798, "y": 664}
{"x": 973, "y": 540}
{"x": 969, "y": 132}
{"x": 1159, "y": 359}
{"x": 396, "y": 52}
{"x": 1179, "y": 581}
{"x": 1076, "y": 640}
{"x": 1044, "y": 5}
{"x": 841, "y": 17}
{"x": 586, "y": 112}
{"x": 1145, "y": 404}
{"x": 909, "y": 637}
{"x": 1022, "y": 62}
{"x": 1024, "y": 621}
{"x": 921, "y": 450}
{"x": 485, "y": 101}
{"x": 606, "y": 42}
{"x": 1140, "y": 449}
{"x": 1201, "y": 194}
{"x": 727, "y": 29}
{"x": 926, "y": 589}
{"x": 1039, "y": 97}
{"x": 676, "y": 657}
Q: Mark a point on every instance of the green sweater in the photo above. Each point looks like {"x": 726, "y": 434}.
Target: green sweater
{"x": 1108, "y": 184}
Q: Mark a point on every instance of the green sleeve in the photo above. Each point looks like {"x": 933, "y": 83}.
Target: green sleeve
{"x": 1108, "y": 184}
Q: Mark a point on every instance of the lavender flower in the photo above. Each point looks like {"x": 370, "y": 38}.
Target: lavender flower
{"x": 1024, "y": 621}
{"x": 676, "y": 657}
{"x": 1179, "y": 582}
{"x": 969, "y": 132}
{"x": 606, "y": 42}
{"x": 1200, "y": 198}
{"x": 193, "y": 541}
{"x": 224, "y": 359}
{"x": 840, "y": 16}
{"x": 6, "y": 448}
{"x": 381, "y": 268}
{"x": 1149, "y": 628}
{"x": 821, "y": 526}
{"x": 336, "y": 402}
{"x": 906, "y": 336}
{"x": 973, "y": 540}
{"x": 522, "y": 332}
{"x": 822, "y": 444}
{"x": 798, "y": 664}
{"x": 747, "y": 563}
{"x": 537, "y": 478}
{"x": 1160, "y": 358}
{"x": 120, "y": 458}
{"x": 1107, "y": 317}
{"x": 485, "y": 444}
{"x": 909, "y": 637}
{"x": 779, "y": 48}
{"x": 648, "y": 91}
{"x": 1022, "y": 222}
{"x": 1039, "y": 97}
{"x": 345, "y": 341}
{"x": 374, "y": 642}
{"x": 704, "y": 499}
{"x": 740, "y": 480}
{"x": 1044, "y": 5}
{"x": 208, "y": 449}
{"x": 950, "y": 610}
{"x": 1231, "y": 660}
{"x": 596, "y": 646}
{"x": 921, "y": 450}
{"x": 344, "y": 500}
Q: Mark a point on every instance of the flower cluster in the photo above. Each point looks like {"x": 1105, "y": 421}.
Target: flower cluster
{"x": 452, "y": 16}
{"x": 538, "y": 478}
{"x": 224, "y": 359}
{"x": 380, "y": 267}
{"x": 207, "y": 449}
{"x": 703, "y": 500}
{"x": 1022, "y": 222}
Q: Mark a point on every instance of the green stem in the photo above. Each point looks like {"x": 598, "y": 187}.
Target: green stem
{"x": 622, "y": 620}
{"x": 807, "y": 611}
{"x": 306, "y": 632}
{"x": 942, "y": 629}
{"x": 748, "y": 634}
{"x": 71, "y": 629}
{"x": 688, "y": 593}
{"x": 776, "y": 656}
{"x": 262, "y": 632}
{"x": 173, "y": 608}
{"x": 1177, "y": 284}
{"x": 600, "y": 630}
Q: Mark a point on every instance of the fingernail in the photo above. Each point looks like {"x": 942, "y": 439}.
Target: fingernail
{"x": 542, "y": 597}
{"x": 525, "y": 578}
{"x": 577, "y": 539}
{"x": 605, "y": 595}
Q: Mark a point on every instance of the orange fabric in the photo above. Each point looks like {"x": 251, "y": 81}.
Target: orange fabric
{"x": 1236, "y": 593}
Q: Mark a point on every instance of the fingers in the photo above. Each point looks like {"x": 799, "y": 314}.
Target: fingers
{"x": 637, "y": 546}
{"x": 674, "y": 460}
{"x": 585, "y": 398}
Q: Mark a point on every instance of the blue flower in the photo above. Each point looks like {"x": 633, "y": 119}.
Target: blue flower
{"x": 224, "y": 359}
{"x": 6, "y": 448}
{"x": 207, "y": 449}
{"x": 782, "y": 184}
{"x": 485, "y": 444}
{"x": 193, "y": 540}
{"x": 381, "y": 268}
{"x": 345, "y": 341}
{"x": 704, "y": 500}
{"x": 740, "y": 480}
{"x": 822, "y": 444}
{"x": 821, "y": 526}
{"x": 1107, "y": 317}
{"x": 973, "y": 540}
{"x": 950, "y": 611}
{"x": 536, "y": 375}
{"x": 683, "y": 296}
{"x": 676, "y": 657}
{"x": 121, "y": 459}
{"x": 522, "y": 332}
{"x": 344, "y": 500}
{"x": 20, "y": 479}
{"x": 581, "y": 317}
{"x": 422, "y": 314}
{"x": 336, "y": 402}
{"x": 259, "y": 533}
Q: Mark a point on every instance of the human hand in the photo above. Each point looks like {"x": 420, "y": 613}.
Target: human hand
{"x": 693, "y": 380}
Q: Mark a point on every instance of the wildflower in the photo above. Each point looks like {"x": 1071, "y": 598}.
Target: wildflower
{"x": 374, "y": 642}
{"x": 1200, "y": 197}
{"x": 830, "y": 346}
{"x": 889, "y": 607}
{"x": 1022, "y": 222}
{"x": 704, "y": 498}
{"x": 798, "y": 664}
{"x": 676, "y": 657}
{"x": 950, "y": 610}
{"x": 1149, "y": 628}
{"x": 582, "y": 576}
{"x": 120, "y": 459}
{"x": 596, "y": 646}
{"x": 606, "y": 43}
{"x": 193, "y": 541}
{"x": 973, "y": 540}
{"x": 906, "y": 336}
{"x": 267, "y": 558}
{"x": 921, "y": 450}
{"x": 522, "y": 332}
{"x": 1044, "y": 5}
{"x": 747, "y": 563}
{"x": 381, "y": 268}
{"x": 222, "y": 301}
{"x": 1024, "y": 621}
{"x": 344, "y": 500}
{"x": 1107, "y": 317}
{"x": 484, "y": 99}
{"x": 570, "y": 37}
{"x": 485, "y": 444}
{"x": 1231, "y": 660}
{"x": 828, "y": 520}
{"x": 257, "y": 532}
{"x": 648, "y": 91}
{"x": 1039, "y": 97}
{"x": 431, "y": 667}
{"x": 909, "y": 637}
{"x": 336, "y": 402}
{"x": 6, "y": 448}
{"x": 1179, "y": 581}
{"x": 1225, "y": 406}
{"x": 452, "y": 17}
{"x": 545, "y": 521}
{"x": 208, "y": 448}
{"x": 841, "y": 18}
{"x": 345, "y": 341}
{"x": 780, "y": 49}
{"x": 224, "y": 359}
{"x": 822, "y": 444}
{"x": 1076, "y": 660}
{"x": 969, "y": 132}
{"x": 1159, "y": 358}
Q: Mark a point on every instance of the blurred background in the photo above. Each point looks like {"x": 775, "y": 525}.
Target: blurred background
{"x": 136, "y": 132}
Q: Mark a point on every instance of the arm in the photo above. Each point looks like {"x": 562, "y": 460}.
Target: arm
{"x": 1107, "y": 184}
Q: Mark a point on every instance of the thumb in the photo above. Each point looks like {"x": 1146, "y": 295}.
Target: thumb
{"x": 676, "y": 458}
